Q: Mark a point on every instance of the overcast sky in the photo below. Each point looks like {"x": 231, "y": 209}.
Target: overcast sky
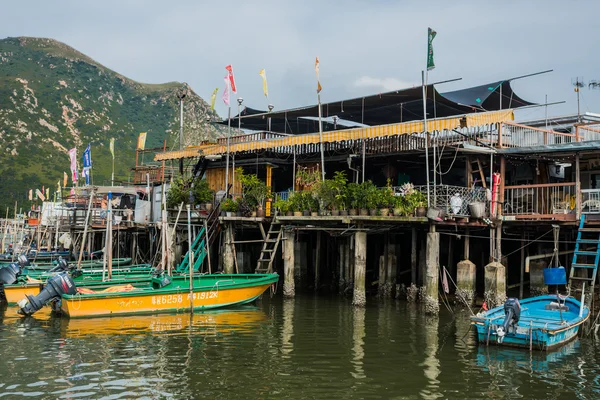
{"x": 364, "y": 47}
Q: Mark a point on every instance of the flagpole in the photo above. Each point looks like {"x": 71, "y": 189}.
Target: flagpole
{"x": 227, "y": 156}
{"x": 321, "y": 137}
{"x": 426, "y": 134}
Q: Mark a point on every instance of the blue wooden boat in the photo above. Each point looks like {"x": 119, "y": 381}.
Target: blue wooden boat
{"x": 543, "y": 322}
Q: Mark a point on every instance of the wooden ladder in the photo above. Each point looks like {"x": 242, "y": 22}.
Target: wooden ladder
{"x": 477, "y": 168}
{"x": 270, "y": 246}
{"x": 586, "y": 260}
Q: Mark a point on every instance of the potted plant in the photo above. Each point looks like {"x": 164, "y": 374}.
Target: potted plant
{"x": 339, "y": 192}
{"x": 386, "y": 199}
{"x": 352, "y": 195}
{"x": 295, "y": 201}
{"x": 372, "y": 196}
{"x": 244, "y": 209}
{"x": 418, "y": 203}
{"x": 254, "y": 190}
{"x": 400, "y": 206}
{"x": 229, "y": 206}
{"x": 202, "y": 194}
{"x": 283, "y": 206}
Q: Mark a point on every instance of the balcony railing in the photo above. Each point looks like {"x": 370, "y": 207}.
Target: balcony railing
{"x": 542, "y": 201}
{"x": 516, "y": 135}
{"x": 590, "y": 201}
{"x": 455, "y": 200}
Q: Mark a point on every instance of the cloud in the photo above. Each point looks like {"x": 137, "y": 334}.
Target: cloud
{"x": 386, "y": 84}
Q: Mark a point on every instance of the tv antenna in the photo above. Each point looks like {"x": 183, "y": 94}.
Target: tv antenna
{"x": 578, "y": 84}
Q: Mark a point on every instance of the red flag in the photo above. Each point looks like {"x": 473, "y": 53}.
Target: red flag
{"x": 231, "y": 78}
{"x": 484, "y": 306}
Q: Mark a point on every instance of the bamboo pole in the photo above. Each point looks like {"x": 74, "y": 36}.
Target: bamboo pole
{"x": 191, "y": 258}
{"x": 85, "y": 230}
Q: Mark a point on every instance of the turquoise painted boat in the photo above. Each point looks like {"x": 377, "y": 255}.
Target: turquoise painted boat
{"x": 543, "y": 322}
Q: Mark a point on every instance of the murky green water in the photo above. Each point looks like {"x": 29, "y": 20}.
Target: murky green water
{"x": 311, "y": 347}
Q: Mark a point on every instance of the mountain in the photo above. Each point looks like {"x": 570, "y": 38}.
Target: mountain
{"x": 54, "y": 98}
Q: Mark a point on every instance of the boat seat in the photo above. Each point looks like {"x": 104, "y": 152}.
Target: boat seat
{"x": 554, "y": 306}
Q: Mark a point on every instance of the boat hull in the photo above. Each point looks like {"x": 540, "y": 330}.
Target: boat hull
{"x": 173, "y": 299}
{"x": 538, "y": 328}
{"x": 16, "y": 292}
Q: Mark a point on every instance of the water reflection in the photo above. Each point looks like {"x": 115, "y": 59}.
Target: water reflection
{"x": 310, "y": 347}
{"x": 358, "y": 342}
{"x": 287, "y": 330}
{"x": 431, "y": 363}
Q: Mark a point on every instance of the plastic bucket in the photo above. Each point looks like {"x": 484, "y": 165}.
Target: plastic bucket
{"x": 477, "y": 209}
{"x": 555, "y": 276}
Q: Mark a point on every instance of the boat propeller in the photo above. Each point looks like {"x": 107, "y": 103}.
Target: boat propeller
{"x": 55, "y": 287}
{"x": 512, "y": 314}
{"x": 10, "y": 272}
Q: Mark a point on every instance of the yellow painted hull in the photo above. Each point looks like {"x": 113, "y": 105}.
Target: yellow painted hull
{"x": 149, "y": 302}
{"x": 18, "y": 292}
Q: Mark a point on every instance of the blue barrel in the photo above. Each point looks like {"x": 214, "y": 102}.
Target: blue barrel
{"x": 555, "y": 276}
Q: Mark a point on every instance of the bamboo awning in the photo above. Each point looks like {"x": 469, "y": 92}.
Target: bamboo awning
{"x": 405, "y": 128}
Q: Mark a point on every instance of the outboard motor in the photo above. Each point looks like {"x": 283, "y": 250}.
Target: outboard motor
{"x": 512, "y": 314}
{"x": 9, "y": 273}
{"x": 55, "y": 287}
{"x": 61, "y": 266}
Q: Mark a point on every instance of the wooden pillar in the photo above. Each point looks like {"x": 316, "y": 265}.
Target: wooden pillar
{"x": 432, "y": 274}
{"x": 228, "y": 261}
{"x": 341, "y": 264}
{"x": 413, "y": 257}
{"x": 382, "y": 276}
{"x": 522, "y": 280}
{"x": 360, "y": 264}
{"x": 317, "y": 260}
{"x": 289, "y": 287}
{"x": 392, "y": 265}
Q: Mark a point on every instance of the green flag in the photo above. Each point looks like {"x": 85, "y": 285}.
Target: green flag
{"x": 213, "y": 97}
{"x": 430, "y": 36}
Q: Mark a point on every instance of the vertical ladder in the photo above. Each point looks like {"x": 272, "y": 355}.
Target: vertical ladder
{"x": 586, "y": 260}
{"x": 270, "y": 246}
{"x": 478, "y": 170}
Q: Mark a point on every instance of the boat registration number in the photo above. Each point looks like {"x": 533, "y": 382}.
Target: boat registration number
{"x": 167, "y": 299}
{"x": 205, "y": 295}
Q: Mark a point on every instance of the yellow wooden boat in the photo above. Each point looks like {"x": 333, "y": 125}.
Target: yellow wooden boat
{"x": 160, "y": 294}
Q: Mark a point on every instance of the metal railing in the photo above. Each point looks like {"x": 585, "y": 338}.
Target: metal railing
{"x": 540, "y": 200}
{"x": 517, "y": 135}
{"x": 455, "y": 200}
{"x": 590, "y": 201}
{"x": 588, "y": 132}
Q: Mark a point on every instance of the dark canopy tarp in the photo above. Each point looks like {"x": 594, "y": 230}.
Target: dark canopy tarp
{"x": 384, "y": 108}
{"x": 487, "y": 97}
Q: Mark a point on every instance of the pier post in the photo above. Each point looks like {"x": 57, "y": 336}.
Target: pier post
{"x": 537, "y": 287}
{"x": 350, "y": 268}
{"x": 392, "y": 265}
{"x": 382, "y": 275}
{"x": 289, "y": 287}
{"x": 466, "y": 279}
{"x": 360, "y": 264}
{"x": 317, "y": 260}
{"x": 300, "y": 261}
{"x": 411, "y": 291}
{"x": 495, "y": 284}
{"x": 432, "y": 274}
{"x": 228, "y": 262}
{"x": 341, "y": 265}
